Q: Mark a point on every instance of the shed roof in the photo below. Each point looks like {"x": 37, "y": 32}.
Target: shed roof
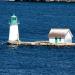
{"x": 55, "y": 32}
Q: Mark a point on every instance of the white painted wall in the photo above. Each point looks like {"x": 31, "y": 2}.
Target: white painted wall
{"x": 68, "y": 38}
{"x": 13, "y": 33}
{"x": 52, "y": 40}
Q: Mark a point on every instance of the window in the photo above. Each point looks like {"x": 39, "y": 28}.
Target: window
{"x": 56, "y": 40}
{"x": 60, "y": 39}
{"x": 13, "y": 18}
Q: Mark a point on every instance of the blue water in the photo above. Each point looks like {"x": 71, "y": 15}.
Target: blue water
{"x": 36, "y": 19}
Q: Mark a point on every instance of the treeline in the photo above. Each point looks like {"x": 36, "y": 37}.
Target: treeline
{"x": 44, "y": 0}
{"x": 31, "y": 0}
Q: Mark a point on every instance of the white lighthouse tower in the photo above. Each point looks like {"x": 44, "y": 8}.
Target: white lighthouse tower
{"x": 13, "y": 32}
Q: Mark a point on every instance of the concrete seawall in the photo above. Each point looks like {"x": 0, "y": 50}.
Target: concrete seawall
{"x": 39, "y": 43}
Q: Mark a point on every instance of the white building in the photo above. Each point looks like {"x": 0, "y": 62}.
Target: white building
{"x": 60, "y": 36}
{"x": 13, "y": 32}
{"x": 11, "y": 0}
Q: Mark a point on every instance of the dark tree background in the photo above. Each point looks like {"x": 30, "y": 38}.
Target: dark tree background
{"x": 31, "y": 0}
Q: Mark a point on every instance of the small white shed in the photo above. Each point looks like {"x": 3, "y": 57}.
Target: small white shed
{"x": 57, "y": 35}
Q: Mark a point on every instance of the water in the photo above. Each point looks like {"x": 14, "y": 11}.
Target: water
{"x": 36, "y": 19}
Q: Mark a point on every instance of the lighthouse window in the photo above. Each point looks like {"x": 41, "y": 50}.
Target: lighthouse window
{"x": 14, "y": 18}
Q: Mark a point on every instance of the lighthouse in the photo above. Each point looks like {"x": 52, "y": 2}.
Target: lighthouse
{"x": 13, "y": 32}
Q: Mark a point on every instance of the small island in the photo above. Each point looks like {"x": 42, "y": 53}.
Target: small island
{"x": 57, "y": 36}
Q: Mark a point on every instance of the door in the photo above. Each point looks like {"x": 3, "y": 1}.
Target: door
{"x": 57, "y": 40}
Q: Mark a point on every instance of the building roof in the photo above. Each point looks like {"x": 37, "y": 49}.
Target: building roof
{"x": 55, "y": 32}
